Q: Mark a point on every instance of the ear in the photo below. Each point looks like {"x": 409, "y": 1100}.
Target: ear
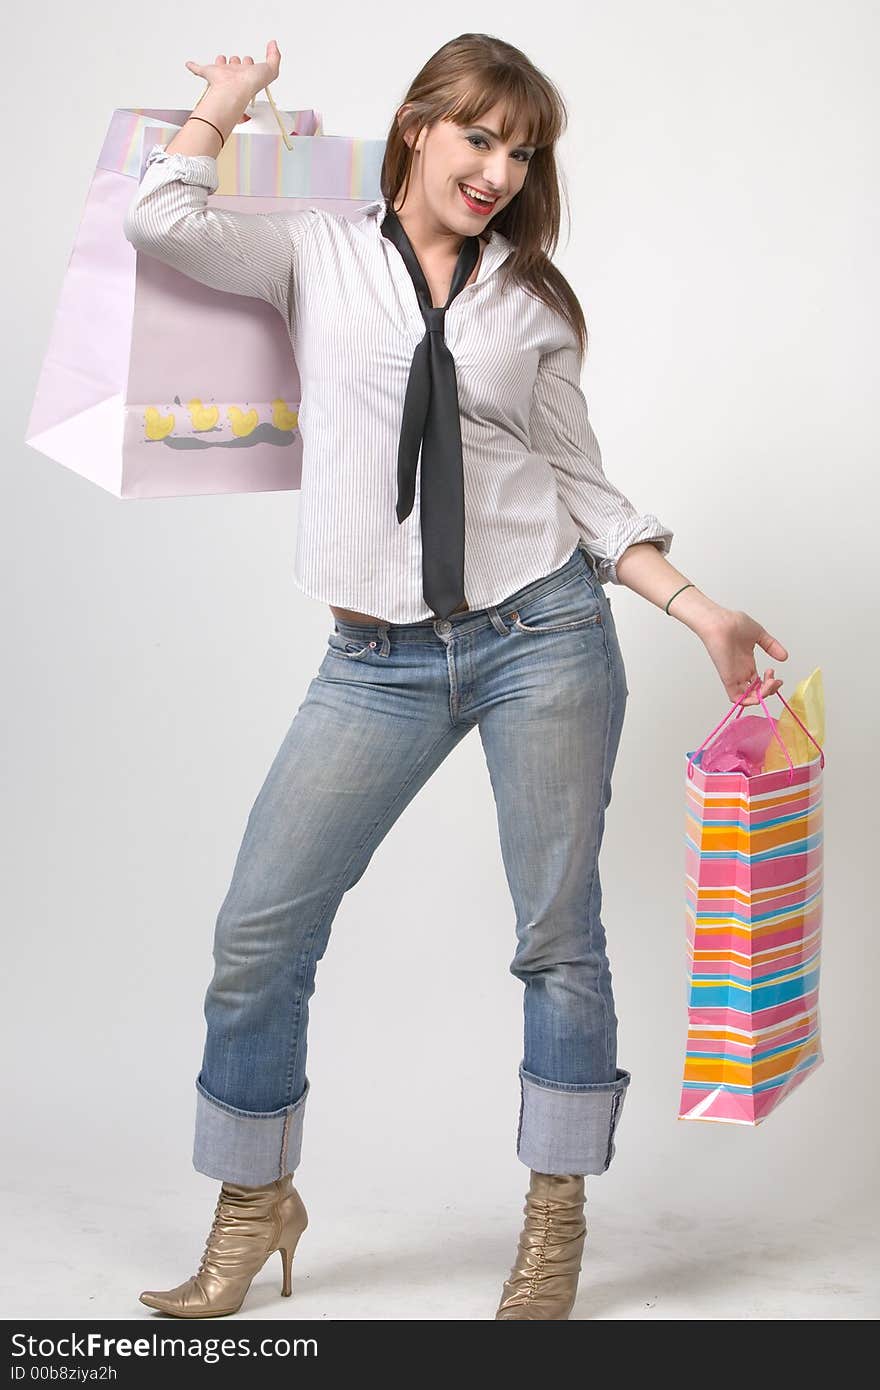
{"x": 408, "y": 135}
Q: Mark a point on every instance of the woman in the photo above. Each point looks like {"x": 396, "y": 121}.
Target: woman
{"x": 432, "y": 328}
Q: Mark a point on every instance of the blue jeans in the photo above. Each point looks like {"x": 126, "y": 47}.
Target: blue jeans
{"x": 542, "y": 677}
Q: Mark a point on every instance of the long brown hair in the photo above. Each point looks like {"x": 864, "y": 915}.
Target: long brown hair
{"x": 460, "y": 82}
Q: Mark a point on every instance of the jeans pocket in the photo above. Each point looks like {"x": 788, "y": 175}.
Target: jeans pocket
{"x": 349, "y": 648}
{"x": 572, "y": 605}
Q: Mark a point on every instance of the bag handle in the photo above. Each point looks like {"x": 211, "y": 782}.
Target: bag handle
{"x": 757, "y": 681}
{"x": 284, "y": 135}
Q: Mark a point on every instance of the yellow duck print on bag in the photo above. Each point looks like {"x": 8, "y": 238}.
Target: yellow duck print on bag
{"x": 282, "y": 418}
{"x": 242, "y": 423}
{"x": 157, "y": 426}
{"x": 204, "y": 417}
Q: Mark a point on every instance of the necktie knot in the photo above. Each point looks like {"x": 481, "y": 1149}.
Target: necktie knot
{"x": 434, "y": 318}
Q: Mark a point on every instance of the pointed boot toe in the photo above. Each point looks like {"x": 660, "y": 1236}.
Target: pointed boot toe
{"x": 187, "y": 1300}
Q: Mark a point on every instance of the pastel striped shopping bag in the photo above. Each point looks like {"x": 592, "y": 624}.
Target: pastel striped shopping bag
{"x": 155, "y": 384}
{"x": 754, "y": 869}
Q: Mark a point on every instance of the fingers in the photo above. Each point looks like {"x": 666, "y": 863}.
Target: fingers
{"x": 772, "y": 646}
{"x": 272, "y": 51}
{"x": 769, "y": 686}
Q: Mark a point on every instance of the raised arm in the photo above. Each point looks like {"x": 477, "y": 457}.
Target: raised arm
{"x": 561, "y": 430}
{"x": 254, "y": 254}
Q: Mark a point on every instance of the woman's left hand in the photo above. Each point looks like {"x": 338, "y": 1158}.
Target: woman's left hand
{"x": 730, "y": 639}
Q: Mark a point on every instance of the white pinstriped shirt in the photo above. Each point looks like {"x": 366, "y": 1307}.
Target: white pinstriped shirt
{"x": 533, "y": 476}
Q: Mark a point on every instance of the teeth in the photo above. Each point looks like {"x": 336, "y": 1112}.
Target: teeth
{"x": 472, "y": 193}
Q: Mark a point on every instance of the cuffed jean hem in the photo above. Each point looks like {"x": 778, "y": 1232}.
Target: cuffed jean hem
{"x": 567, "y": 1128}
{"x": 250, "y": 1147}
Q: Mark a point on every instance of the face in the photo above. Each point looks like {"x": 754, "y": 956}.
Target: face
{"x": 450, "y": 155}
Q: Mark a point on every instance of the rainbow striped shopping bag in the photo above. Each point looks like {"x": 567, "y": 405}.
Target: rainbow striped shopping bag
{"x": 754, "y": 919}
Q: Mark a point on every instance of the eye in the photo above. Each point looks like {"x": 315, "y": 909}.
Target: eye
{"x": 484, "y": 141}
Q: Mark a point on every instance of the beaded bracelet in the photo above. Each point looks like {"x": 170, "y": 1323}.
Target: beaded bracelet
{"x": 211, "y": 124}
{"x": 675, "y": 595}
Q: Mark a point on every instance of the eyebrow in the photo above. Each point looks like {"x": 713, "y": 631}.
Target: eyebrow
{"x": 494, "y": 133}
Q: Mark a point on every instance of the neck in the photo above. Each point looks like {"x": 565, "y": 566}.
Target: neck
{"x": 429, "y": 239}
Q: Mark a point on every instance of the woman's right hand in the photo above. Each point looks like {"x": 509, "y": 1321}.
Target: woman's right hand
{"x": 240, "y": 77}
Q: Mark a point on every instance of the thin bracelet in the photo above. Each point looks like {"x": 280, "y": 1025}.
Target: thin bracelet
{"x": 211, "y": 124}
{"x": 677, "y": 592}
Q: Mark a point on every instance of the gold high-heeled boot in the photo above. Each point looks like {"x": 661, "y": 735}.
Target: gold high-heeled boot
{"x": 250, "y": 1224}
{"x": 544, "y": 1278}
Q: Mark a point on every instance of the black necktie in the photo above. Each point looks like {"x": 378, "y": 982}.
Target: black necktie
{"x": 431, "y": 419}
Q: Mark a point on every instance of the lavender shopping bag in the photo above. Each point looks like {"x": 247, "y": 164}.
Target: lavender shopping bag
{"x": 754, "y": 870}
{"x": 147, "y": 370}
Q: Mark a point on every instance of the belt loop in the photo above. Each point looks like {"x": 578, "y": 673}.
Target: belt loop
{"x": 384, "y": 643}
{"x": 497, "y": 621}
{"x": 591, "y": 560}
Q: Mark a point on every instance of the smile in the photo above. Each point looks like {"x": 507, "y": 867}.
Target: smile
{"x": 479, "y": 204}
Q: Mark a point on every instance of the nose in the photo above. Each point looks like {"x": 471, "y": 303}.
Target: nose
{"x": 493, "y": 180}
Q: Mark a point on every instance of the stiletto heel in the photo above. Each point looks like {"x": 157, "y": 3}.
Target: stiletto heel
{"x": 288, "y": 1241}
{"x": 249, "y": 1224}
{"x": 286, "y": 1262}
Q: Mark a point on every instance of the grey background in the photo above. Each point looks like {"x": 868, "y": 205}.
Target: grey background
{"x": 721, "y": 169}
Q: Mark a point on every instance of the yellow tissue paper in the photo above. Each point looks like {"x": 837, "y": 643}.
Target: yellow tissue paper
{"x": 808, "y": 703}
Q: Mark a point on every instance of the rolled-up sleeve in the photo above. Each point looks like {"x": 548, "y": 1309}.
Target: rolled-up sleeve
{"x": 561, "y": 430}
{"x": 250, "y": 253}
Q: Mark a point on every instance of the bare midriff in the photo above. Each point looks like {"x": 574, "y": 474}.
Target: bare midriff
{"x": 348, "y": 615}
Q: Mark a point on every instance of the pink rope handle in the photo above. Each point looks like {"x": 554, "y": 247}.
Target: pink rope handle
{"x": 757, "y": 680}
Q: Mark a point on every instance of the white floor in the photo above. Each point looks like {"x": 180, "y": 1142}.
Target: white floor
{"x": 396, "y": 1248}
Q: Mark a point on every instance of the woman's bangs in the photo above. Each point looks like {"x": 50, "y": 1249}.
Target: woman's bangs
{"x": 522, "y": 108}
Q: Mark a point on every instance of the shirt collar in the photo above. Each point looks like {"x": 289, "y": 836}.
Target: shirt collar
{"x": 495, "y": 250}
